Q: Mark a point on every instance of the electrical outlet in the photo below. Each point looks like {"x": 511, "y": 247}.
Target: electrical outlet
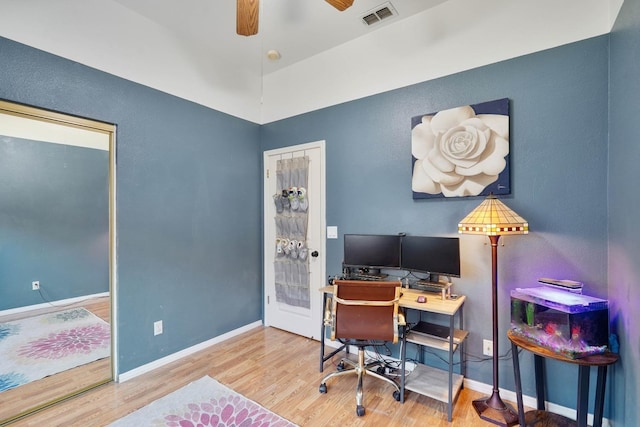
{"x": 35, "y": 285}
{"x": 487, "y": 347}
{"x": 157, "y": 327}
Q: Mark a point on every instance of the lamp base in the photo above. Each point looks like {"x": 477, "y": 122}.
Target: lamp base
{"x": 494, "y": 410}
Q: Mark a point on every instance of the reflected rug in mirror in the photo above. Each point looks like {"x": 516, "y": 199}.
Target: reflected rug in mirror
{"x": 40, "y": 346}
{"x": 204, "y": 402}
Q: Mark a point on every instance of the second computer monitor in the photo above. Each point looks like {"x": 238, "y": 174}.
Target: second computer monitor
{"x": 434, "y": 255}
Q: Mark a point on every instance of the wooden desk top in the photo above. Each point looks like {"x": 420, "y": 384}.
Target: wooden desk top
{"x": 434, "y": 304}
{"x": 603, "y": 359}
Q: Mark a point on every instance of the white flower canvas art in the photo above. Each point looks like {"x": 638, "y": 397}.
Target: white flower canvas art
{"x": 462, "y": 151}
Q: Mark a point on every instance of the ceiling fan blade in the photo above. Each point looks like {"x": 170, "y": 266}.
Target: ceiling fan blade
{"x": 340, "y": 4}
{"x": 247, "y": 12}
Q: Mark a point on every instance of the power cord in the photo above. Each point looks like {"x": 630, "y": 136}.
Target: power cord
{"x": 47, "y": 301}
{"x": 469, "y": 357}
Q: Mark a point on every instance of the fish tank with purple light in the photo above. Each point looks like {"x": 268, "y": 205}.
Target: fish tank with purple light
{"x": 570, "y": 324}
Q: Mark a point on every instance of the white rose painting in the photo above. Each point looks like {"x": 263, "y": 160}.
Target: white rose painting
{"x": 462, "y": 151}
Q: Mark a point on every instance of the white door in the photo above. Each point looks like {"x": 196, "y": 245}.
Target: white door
{"x": 300, "y": 318}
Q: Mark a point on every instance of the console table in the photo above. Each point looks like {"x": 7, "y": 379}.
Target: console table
{"x": 601, "y": 361}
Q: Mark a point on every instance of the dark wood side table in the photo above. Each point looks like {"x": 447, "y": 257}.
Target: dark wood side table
{"x": 602, "y": 361}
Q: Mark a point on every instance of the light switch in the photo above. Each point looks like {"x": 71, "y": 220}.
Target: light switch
{"x": 332, "y": 232}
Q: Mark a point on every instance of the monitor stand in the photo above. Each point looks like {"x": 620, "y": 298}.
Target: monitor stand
{"x": 433, "y": 284}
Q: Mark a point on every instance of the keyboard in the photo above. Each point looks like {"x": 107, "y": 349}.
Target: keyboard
{"x": 361, "y": 276}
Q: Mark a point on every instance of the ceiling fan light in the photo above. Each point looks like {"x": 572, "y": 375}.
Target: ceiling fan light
{"x": 273, "y": 55}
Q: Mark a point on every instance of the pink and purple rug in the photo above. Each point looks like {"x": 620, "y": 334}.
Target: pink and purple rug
{"x": 40, "y": 346}
{"x": 204, "y": 402}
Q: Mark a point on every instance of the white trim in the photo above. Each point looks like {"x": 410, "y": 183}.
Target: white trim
{"x": 334, "y": 344}
{"x": 53, "y": 304}
{"x": 267, "y": 221}
{"x": 530, "y": 401}
{"x": 126, "y": 376}
{"x": 298, "y": 147}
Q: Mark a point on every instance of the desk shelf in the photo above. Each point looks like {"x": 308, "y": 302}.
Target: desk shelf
{"x": 438, "y": 343}
{"x": 433, "y": 382}
{"x": 440, "y": 384}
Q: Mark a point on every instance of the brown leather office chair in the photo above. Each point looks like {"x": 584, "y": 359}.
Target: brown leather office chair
{"x": 363, "y": 313}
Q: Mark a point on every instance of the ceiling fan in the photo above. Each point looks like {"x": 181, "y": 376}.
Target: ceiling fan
{"x": 247, "y": 12}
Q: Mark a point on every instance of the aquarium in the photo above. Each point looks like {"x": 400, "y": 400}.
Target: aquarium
{"x": 574, "y": 325}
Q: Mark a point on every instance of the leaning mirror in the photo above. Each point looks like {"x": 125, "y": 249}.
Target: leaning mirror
{"x": 56, "y": 239}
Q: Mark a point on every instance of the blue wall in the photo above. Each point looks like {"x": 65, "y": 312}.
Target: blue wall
{"x": 52, "y": 196}
{"x": 189, "y": 239}
{"x": 558, "y": 109}
{"x": 624, "y": 202}
{"x": 188, "y": 205}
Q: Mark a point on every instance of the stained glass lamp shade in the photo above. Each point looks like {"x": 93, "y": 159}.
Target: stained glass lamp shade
{"x": 493, "y": 218}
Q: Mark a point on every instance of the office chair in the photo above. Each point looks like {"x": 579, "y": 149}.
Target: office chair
{"x": 363, "y": 313}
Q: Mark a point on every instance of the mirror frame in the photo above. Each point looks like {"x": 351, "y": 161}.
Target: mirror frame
{"x": 61, "y": 119}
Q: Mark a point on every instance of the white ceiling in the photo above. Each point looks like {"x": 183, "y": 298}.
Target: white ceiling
{"x": 189, "y": 48}
{"x": 298, "y": 29}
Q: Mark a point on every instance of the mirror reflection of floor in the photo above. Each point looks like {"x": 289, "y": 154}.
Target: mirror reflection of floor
{"x": 36, "y": 393}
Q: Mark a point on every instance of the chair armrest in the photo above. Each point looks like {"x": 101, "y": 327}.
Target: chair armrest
{"x": 364, "y": 302}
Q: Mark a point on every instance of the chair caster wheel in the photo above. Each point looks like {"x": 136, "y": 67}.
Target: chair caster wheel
{"x": 360, "y": 410}
{"x": 396, "y": 395}
{"x": 322, "y": 388}
{"x": 340, "y": 366}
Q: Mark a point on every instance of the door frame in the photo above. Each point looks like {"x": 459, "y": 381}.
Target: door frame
{"x": 268, "y": 222}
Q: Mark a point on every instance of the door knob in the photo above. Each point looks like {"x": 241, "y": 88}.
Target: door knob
{"x": 315, "y": 254}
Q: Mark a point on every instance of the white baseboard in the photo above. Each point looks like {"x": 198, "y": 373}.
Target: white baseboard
{"x": 52, "y": 304}
{"x": 125, "y": 376}
{"x": 530, "y": 401}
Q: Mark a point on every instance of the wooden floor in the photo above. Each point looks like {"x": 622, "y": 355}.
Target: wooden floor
{"x": 25, "y": 397}
{"x": 277, "y": 369}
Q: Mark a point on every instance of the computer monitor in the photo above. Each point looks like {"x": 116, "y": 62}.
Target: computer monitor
{"x": 371, "y": 251}
{"x": 433, "y": 255}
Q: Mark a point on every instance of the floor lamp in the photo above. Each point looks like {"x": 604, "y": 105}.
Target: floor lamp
{"x": 494, "y": 219}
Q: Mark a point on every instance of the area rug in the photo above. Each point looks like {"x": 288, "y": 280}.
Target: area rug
{"x": 204, "y": 402}
{"x": 40, "y": 346}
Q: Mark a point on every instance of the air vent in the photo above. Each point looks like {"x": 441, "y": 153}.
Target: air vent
{"x": 377, "y": 14}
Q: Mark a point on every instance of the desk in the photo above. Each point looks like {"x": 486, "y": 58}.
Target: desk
{"x": 435, "y": 304}
{"x": 584, "y": 365}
